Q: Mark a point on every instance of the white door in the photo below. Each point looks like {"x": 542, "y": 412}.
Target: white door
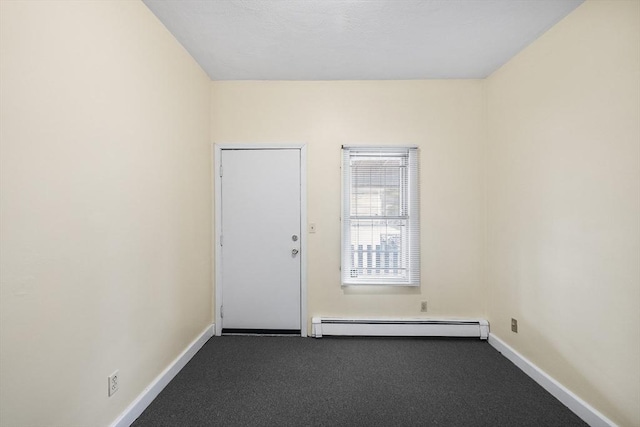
{"x": 260, "y": 240}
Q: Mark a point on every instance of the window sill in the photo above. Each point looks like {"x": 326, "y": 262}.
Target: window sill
{"x": 380, "y": 284}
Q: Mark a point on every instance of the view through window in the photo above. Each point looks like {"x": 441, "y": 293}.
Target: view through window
{"x": 380, "y": 216}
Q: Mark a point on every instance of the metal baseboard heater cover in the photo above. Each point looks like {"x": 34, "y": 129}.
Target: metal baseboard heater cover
{"x": 333, "y": 326}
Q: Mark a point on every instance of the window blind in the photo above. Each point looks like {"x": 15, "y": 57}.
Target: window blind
{"x": 380, "y": 218}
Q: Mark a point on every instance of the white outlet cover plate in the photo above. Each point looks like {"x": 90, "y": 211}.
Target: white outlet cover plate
{"x": 114, "y": 382}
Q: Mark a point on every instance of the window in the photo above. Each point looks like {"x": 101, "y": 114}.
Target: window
{"x": 380, "y": 216}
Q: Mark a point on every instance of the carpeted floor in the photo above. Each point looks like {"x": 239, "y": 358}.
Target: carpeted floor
{"x": 293, "y": 381}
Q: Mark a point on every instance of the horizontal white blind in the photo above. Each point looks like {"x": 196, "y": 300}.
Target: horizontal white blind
{"x": 381, "y": 233}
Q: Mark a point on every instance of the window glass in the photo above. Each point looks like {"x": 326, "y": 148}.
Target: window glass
{"x": 380, "y": 216}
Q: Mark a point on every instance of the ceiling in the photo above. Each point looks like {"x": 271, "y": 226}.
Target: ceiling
{"x": 356, "y": 39}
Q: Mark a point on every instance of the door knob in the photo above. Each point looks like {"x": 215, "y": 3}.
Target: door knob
{"x": 294, "y": 252}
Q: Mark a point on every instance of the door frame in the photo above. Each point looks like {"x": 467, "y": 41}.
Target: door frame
{"x": 217, "y": 222}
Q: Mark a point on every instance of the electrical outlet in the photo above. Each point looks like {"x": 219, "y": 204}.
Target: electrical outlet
{"x": 423, "y": 306}
{"x": 114, "y": 382}
{"x": 514, "y": 325}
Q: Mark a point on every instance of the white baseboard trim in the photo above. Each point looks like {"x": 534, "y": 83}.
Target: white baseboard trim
{"x": 323, "y": 326}
{"x": 589, "y": 414}
{"x": 145, "y": 398}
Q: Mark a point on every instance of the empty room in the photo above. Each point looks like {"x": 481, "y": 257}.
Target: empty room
{"x": 319, "y": 212}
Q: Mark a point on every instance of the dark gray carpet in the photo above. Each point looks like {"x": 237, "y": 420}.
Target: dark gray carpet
{"x": 293, "y": 381}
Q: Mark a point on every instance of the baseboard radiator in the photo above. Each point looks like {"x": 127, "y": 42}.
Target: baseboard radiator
{"x": 333, "y": 326}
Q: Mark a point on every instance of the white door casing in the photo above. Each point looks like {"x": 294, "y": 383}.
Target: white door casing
{"x": 260, "y": 265}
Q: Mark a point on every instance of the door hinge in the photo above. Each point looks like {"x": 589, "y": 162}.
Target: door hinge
{"x": 220, "y": 171}
{"x": 221, "y": 240}
{"x": 221, "y": 312}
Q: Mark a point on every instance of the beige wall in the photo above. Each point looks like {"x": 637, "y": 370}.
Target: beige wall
{"x": 563, "y": 204}
{"x": 105, "y": 182}
{"x": 444, "y": 118}
{"x": 105, "y": 211}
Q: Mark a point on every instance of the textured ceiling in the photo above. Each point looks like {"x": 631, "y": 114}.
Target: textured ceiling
{"x": 356, "y": 39}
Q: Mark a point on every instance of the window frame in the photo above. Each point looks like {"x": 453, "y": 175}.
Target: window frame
{"x": 410, "y": 243}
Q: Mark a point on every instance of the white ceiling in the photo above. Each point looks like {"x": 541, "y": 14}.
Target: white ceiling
{"x": 356, "y": 39}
